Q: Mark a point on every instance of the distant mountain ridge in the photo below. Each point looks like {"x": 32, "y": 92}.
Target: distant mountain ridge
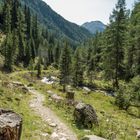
{"x": 56, "y": 22}
{"x": 94, "y": 26}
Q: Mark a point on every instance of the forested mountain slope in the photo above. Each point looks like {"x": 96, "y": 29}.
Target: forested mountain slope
{"x": 57, "y": 23}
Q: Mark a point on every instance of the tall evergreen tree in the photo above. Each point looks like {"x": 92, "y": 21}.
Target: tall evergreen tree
{"x": 77, "y": 70}
{"x": 133, "y": 49}
{"x": 21, "y": 35}
{"x": 35, "y": 32}
{"x": 14, "y": 13}
{"x": 10, "y": 47}
{"x": 57, "y": 52}
{"x": 7, "y": 17}
{"x": 91, "y": 70}
{"x": 114, "y": 53}
{"x": 65, "y": 66}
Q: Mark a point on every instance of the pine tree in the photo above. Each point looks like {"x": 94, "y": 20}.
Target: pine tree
{"x": 10, "y": 47}
{"x": 27, "y": 22}
{"x": 65, "y": 63}
{"x": 28, "y": 54}
{"x": 33, "y": 50}
{"x": 14, "y": 13}
{"x": 133, "y": 51}
{"x": 39, "y": 67}
{"x": 50, "y": 55}
{"x": 35, "y": 32}
{"x": 77, "y": 70}
{"x": 21, "y": 35}
{"x": 115, "y": 43}
{"x": 57, "y": 52}
{"x": 91, "y": 70}
{"x": 7, "y": 17}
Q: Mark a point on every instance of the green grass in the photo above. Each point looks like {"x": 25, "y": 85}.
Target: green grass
{"x": 113, "y": 122}
{"x": 18, "y": 101}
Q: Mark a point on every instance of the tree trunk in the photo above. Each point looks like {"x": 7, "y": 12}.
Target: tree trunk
{"x": 64, "y": 88}
{"x": 10, "y": 125}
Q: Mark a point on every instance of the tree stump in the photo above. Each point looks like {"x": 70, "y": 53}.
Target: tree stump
{"x": 70, "y": 95}
{"x": 10, "y": 125}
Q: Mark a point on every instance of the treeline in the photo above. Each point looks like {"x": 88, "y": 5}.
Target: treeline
{"x": 25, "y": 36}
{"x": 22, "y": 35}
{"x": 113, "y": 55}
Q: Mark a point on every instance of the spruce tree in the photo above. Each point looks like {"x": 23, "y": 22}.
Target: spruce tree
{"x": 39, "y": 67}
{"x": 133, "y": 49}
{"x": 21, "y": 36}
{"x": 10, "y": 47}
{"x": 77, "y": 70}
{"x": 114, "y": 53}
{"x": 35, "y": 32}
{"x": 57, "y": 52}
{"x": 28, "y": 54}
{"x": 7, "y": 17}
{"x": 14, "y": 13}
{"x": 65, "y": 66}
{"x": 91, "y": 70}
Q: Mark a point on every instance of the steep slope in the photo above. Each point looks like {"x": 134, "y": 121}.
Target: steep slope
{"x": 94, "y": 26}
{"x": 57, "y": 23}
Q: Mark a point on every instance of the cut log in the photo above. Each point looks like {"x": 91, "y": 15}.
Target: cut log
{"x": 10, "y": 125}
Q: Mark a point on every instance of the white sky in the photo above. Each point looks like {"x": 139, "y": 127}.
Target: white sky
{"x": 81, "y": 11}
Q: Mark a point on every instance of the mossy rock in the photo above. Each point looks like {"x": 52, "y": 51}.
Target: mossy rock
{"x": 85, "y": 115}
{"x": 135, "y": 111}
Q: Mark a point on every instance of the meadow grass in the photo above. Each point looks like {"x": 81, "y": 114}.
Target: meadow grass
{"x": 113, "y": 122}
{"x": 18, "y": 101}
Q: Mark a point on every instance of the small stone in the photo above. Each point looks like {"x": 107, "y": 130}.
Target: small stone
{"x": 62, "y": 134}
{"x": 52, "y": 124}
{"x": 45, "y": 134}
{"x": 63, "y": 138}
{"x": 54, "y": 135}
{"x": 138, "y": 134}
{"x": 87, "y": 131}
{"x": 92, "y": 137}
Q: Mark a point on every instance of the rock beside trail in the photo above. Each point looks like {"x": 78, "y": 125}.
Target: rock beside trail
{"x": 52, "y": 124}
{"x": 54, "y": 136}
{"x": 58, "y": 136}
{"x": 85, "y": 115}
{"x": 57, "y": 98}
{"x": 15, "y": 84}
{"x": 138, "y": 134}
{"x": 92, "y": 137}
{"x": 10, "y": 125}
{"x": 87, "y": 90}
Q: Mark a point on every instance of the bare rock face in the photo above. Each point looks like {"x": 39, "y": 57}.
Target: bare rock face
{"x": 10, "y": 125}
{"x": 84, "y": 114}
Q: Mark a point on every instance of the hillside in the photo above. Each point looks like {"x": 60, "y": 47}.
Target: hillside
{"x": 57, "y": 23}
{"x": 94, "y": 26}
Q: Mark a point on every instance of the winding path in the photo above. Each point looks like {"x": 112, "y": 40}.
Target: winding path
{"x": 60, "y": 130}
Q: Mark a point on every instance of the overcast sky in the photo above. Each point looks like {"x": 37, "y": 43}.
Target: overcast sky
{"x": 81, "y": 11}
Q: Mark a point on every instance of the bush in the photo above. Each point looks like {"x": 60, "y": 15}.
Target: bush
{"x": 135, "y": 111}
{"x": 122, "y": 98}
{"x": 129, "y": 94}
